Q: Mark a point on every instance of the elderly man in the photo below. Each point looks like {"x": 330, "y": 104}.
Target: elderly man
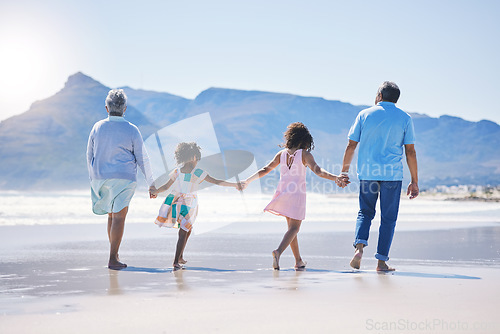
{"x": 115, "y": 149}
{"x": 381, "y": 131}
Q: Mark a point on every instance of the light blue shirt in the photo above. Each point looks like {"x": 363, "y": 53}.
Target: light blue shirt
{"x": 115, "y": 149}
{"x": 381, "y": 131}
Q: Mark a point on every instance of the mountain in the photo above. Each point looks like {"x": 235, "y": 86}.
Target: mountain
{"x": 44, "y": 148}
{"x": 163, "y": 108}
{"x": 455, "y": 151}
{"x": 256, "y": 121}
{"x": 450, "y": 150}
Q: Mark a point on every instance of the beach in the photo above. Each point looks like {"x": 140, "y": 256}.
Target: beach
{"x": 54, "y": 277}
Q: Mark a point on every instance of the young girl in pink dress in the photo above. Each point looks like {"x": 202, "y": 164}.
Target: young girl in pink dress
{"x": 289, "y": 200}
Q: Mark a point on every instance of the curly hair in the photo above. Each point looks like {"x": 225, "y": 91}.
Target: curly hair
{"x": 116, "y": 101}
{"x": 184, "y": 152}
{"x": 297, "y": 135}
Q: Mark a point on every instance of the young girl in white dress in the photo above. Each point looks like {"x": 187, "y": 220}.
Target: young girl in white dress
{"x": 181, "y": 205}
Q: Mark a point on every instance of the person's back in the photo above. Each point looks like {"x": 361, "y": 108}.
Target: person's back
{"x": 117, "y": 147}
{"x": 382, "y": 131}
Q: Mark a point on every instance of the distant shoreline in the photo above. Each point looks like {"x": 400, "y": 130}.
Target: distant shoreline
{"x": 473, "y": 199}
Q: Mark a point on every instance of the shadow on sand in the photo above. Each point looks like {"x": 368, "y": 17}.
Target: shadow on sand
{"x": 214, "y": 270}
{"x": 409, "y": 274}
{"x": 169, "y": 270}
{"x": 427, "y": 275}
{"x": 148, "y": 270}
{"x": 394, "y": 273}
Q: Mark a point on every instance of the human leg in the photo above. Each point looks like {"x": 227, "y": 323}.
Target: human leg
{"x": 181, "y": 258}
{"x": 294, "y": 245}
{"x": 368, "y": 195}
{"x": 358, "y": 254}
{"x": 115, "y": 237}
{"x": 110, "y": 222}
{"x": 293, "y": 229}
{"x": 181, "y": 244}
{"x": 390, "y": 193}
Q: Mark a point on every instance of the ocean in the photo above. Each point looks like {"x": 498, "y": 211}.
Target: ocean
{"x": 227, "y": 210}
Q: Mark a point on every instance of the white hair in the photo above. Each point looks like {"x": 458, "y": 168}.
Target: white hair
{"x": 116, "y": 101}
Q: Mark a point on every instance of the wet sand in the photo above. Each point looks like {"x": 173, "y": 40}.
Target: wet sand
{"x": 54, "y": 280}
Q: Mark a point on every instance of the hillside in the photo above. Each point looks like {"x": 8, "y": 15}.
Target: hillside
{"x": 44, "y": 148}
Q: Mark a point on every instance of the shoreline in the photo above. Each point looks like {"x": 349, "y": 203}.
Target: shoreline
{"x": 474, "y": 199}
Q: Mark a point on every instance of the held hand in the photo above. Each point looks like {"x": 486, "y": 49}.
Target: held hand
{"x": 342, "y": 181}
{"x": 245, "y": 184}
{"x": 413, "y": 190}
{"x": 153, "y": 192}
{"x": 241, "y": 186}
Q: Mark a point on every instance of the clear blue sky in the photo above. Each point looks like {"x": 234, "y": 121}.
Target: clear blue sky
{"x": 444, "y": 55}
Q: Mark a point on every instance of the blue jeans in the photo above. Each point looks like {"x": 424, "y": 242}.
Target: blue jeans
{"x": 390, "y": 192}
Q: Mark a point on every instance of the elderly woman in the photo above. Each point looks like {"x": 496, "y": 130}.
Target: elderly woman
{"x": 114, "y": 151}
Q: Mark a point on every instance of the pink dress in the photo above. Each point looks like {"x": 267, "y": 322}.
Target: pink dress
{"x": 289, "y": 200}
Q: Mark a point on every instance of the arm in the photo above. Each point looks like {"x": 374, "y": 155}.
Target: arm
{"x": 411, "y": 160}
{"x": 223, "y": 183}
{"x": 308, "y": 160}
{"x": 348, "y": 155}
{"x": 90, "y": 151}
{"x": 167, "y": 185}
{"x": 346, "y": 163}
{"x": 142, "y": 158}
{"x": 164, "y": 187}
{"x": 264, "y": 170}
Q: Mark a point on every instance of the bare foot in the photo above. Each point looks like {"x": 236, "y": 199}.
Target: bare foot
{"x": 178, "y": 267}
{"x": 300, "y": 265}
{"x": 182, "y": 261}
{"x": 276, "y": 260}
{"x": 116, "y": 265}
{"x": 383, "y": 267}
{"x": 356, "y": 259}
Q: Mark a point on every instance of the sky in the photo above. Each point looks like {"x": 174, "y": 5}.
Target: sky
{"x": 444, "y": 55}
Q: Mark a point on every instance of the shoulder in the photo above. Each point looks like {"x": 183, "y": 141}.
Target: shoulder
{"x": 307, "y": 158}
{"x": 403, "y": 115}
{"x": 100, "y": 123}
{"x": 305, "y": 154}
{"x": 174, "y": 173}
{"x": 406, "y": 115}
{"x": 370, "y": 110}
{"x": 131, "y": 129}
{"x": 278, "y": 155}
{"x": 199, "y": 172}
{"x": 129, "y": 125}
{"x": 365, "y": 113}
{"x": 132, "y": 125}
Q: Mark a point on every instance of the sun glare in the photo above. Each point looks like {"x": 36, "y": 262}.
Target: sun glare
{"x": 23, "y": 62}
